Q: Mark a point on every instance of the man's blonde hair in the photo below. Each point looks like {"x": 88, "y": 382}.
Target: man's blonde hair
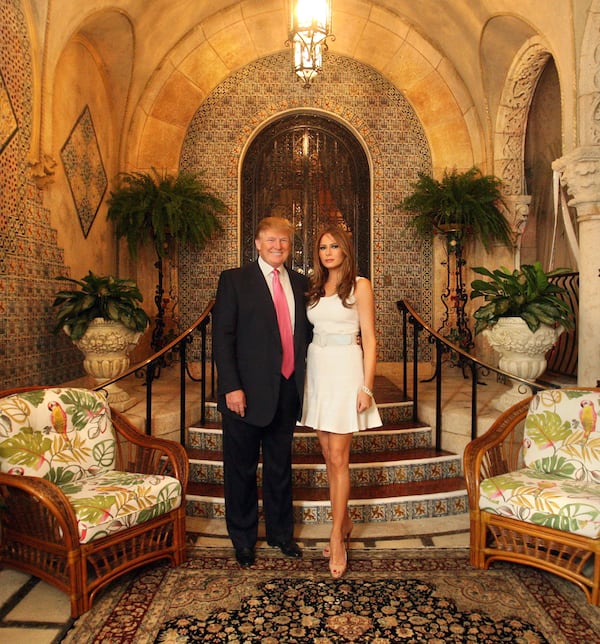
{"x": 274, "y": 223}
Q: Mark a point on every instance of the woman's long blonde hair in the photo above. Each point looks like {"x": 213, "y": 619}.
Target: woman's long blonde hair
{"x": 320, "y": 273}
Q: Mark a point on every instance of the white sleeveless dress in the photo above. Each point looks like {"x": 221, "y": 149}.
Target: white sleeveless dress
{"x": 334, "y": 370}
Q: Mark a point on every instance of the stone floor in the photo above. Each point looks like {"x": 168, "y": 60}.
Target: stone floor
{"x": 33, "y": 612}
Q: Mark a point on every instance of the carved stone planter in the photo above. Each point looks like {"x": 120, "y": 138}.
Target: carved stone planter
{"x": 522, "y": 353}
{"x": 106, "y": 346}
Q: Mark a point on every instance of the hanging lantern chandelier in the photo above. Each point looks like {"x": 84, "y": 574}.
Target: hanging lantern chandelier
{"x": 310, "y": 26}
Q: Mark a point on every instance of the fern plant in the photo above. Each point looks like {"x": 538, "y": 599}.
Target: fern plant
{"x": 469, "y": 201}
{"x": 153, "y": 207}
{"x": 526, "y": 293}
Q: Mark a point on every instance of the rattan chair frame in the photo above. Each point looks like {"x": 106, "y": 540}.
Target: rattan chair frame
{"x": 39, "y": 529}
{"x": 494, "y": 537}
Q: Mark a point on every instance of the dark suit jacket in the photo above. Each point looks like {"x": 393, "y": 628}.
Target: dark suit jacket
{"x": 246, "y": 341}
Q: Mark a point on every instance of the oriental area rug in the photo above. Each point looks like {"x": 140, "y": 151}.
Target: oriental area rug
{"x": 387, "y": 596}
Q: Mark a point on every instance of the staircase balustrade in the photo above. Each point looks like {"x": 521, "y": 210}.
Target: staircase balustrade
{"x": 417, "y": 339}
{"x": 176, "y": 351}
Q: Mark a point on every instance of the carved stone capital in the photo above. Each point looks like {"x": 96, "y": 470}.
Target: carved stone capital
{"x": 580, "y": 174}
{"x": 518, "y": 212}
{"x": 42, "y": 170}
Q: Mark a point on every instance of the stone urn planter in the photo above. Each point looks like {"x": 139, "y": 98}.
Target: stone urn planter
{"x": 106, "y": 346}
{"x": 522, "y": 353}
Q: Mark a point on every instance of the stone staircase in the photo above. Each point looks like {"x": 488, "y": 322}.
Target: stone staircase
{"x": 396, "y": 474}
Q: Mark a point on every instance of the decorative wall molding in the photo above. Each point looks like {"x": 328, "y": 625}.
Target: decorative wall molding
{"x": 513, "y": 113}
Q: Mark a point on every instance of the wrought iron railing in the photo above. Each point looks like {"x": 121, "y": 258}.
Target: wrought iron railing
{"x": 562, "y": 360}
{"x": 176, "y": 352}
{"x": 413, "y": 326}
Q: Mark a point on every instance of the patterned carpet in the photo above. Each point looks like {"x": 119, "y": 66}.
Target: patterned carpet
{"x": 387, "y": 596}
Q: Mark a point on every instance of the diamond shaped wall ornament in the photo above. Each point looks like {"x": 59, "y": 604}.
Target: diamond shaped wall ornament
{"x": 8, "y": 120}
{"x": 84, "y": 170}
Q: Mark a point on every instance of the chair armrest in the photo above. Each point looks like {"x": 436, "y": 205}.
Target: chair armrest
{"x": 498, "y": 451}
{"x": 37, "y": 508}
{"x": 137, "y": 452}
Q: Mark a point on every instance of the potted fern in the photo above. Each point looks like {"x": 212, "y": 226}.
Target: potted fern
{"x": 154, "y": 208}
{"x": 522, "y": 317}
{"x": 465, "y": 203}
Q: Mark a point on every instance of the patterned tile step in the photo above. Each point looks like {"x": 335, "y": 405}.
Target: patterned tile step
{"x": 399, "y": 467}
{"x": 388, "y": 438}
{"x": 391, "y": 413}
{"x": 401, "y": 508}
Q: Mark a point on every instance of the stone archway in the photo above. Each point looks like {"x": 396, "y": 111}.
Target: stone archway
{"x": 511, "y": 125}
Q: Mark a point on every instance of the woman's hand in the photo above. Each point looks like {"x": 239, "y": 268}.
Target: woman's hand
{"x": 363, "y": 401}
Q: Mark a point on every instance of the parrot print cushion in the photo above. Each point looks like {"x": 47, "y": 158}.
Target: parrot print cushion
{"x": 62, "y": 435}
{"x": 560, "y": 486}
{"x": 562, "y": 434}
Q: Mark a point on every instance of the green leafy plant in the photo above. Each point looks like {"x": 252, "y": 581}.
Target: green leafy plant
{"x": 468, "y": 201}
{"x": 154, "y": 207}
{"x": 104, "y": 297}
{"x": 526, "y": 293}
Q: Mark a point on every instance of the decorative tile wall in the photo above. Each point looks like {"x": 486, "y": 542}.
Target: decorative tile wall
{"x": 368, "y": 104}
{"x": 84, "y": 169}
{"x": 29, "y": 255}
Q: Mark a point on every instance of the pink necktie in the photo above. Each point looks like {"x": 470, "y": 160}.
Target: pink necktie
{"x": 285, "y": 326}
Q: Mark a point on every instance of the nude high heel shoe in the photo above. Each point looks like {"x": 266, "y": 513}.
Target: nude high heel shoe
{"x": 339, "y": 570}
{"x": 346, "y": 536}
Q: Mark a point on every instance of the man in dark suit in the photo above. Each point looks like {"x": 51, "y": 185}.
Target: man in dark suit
{"x": 260, "y": 405}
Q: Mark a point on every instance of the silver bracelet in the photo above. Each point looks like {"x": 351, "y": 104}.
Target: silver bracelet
{"x": 367, "y": 390}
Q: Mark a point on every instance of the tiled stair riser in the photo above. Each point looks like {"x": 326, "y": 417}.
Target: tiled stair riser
{"x": 390, "y": 413}
{"x": 306, "y": 441}
{"x": 361, "y": 511}
{"x": 315, "y": 476}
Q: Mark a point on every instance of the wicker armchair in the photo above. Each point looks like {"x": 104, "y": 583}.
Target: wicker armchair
{"x": 533, "y": 481}
{"x": 72, "y": 512}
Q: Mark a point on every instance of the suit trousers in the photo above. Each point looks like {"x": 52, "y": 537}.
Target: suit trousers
{"x": 242, "y": 444}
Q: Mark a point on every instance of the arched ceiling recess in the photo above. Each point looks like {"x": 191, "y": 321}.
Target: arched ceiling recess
{"x": 108, "y": 36}
{"x": 228, "y": 41}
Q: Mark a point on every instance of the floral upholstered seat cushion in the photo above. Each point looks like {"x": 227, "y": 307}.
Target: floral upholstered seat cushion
{"x": 61, "y": 434}
{"x": 560, "y": 485}
{"x": 114, "y": 500}
{"x": 545, "y": 499}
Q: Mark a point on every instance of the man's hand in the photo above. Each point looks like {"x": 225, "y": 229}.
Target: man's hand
{"x": 236, "y": 402}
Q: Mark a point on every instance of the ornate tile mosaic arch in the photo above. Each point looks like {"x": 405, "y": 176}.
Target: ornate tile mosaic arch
{"x": 357, "y": 96}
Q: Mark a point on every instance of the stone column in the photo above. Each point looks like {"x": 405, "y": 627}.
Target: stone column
{"x": 580, "y": 174}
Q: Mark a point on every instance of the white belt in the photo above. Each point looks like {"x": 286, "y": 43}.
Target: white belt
{"x": 328, "y": 339}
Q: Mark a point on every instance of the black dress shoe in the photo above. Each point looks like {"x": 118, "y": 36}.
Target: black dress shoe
{"x": 245, "y": 557}
{"x": 289, "y": 548}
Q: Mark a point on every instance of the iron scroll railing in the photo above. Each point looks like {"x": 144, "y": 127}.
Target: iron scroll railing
{"x": 176, "y": 351}
{"x": 470, "y": 366}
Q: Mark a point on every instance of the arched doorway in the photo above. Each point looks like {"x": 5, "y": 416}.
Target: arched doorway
{"x": 312, "y": 170}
